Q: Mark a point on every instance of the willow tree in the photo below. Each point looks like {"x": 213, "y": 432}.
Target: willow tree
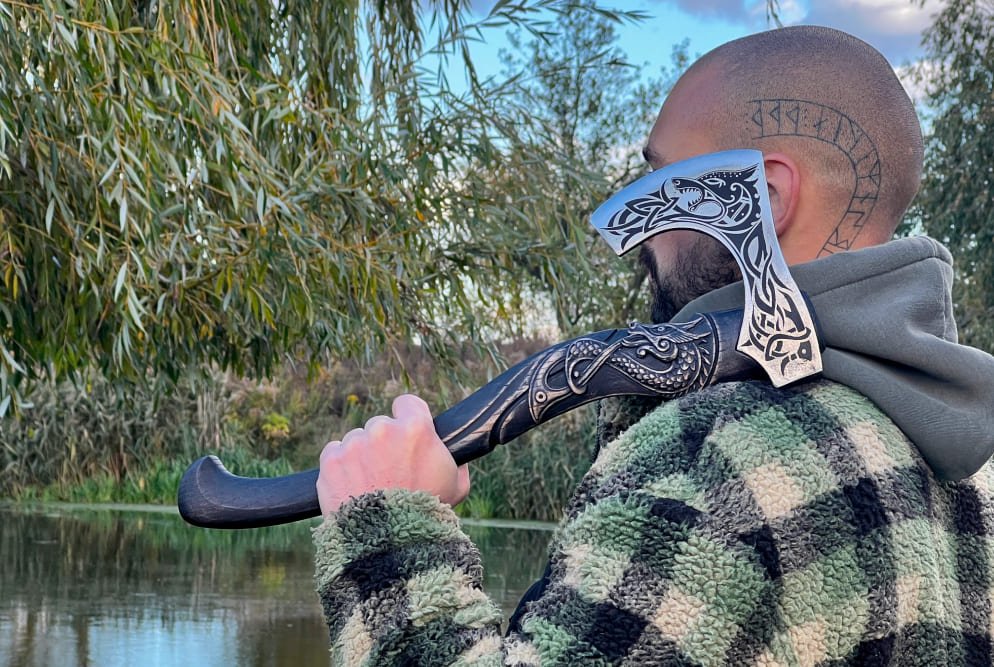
{"x": 187, "y": 183}
{"x": 595, "y": 107}
{"x": 956, "y": 204}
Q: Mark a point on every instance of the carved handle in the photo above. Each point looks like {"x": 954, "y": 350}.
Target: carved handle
{"x": 664, "y": 360}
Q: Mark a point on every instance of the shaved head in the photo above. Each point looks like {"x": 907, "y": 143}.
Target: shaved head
{"x": 830, "y": 101}
{"x": 840, "y": 138}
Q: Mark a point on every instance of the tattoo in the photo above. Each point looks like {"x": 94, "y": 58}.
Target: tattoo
{"x": 801, "y": 118}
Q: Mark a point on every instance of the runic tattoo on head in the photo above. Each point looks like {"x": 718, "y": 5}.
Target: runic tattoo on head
{"x": 802, "y": 118}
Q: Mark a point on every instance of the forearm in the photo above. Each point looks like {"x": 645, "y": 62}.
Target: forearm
{"x": 400, "y": 581}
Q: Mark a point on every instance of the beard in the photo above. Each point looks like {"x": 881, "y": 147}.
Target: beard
{"x": 703, "y": 267}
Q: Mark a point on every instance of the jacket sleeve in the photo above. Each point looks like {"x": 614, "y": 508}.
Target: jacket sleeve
{"x": 400, "y": 583}
{"x": 696, "y": 538}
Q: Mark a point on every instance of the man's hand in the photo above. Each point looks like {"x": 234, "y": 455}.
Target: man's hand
{"x": 402, "y": 452}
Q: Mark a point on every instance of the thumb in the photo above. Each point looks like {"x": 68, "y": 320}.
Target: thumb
{"x": 462, "y": 483}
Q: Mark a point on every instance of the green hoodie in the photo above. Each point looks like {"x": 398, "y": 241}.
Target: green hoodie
{"x": 887, "y": 323}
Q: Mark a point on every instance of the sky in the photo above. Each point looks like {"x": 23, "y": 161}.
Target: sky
{"x": 894, "y": 27}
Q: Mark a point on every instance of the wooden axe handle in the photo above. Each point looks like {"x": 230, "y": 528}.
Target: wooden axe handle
{"x": 663, "y": 360}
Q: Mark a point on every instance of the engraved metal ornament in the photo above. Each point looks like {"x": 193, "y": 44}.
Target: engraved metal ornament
{"x": 666, "y": 360}
{"x": 724, "y": 195}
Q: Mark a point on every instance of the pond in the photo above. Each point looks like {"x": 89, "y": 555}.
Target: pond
{"x": 107, "y": 586}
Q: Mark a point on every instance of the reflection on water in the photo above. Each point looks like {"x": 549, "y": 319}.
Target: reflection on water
{"x": 112, "y": 587}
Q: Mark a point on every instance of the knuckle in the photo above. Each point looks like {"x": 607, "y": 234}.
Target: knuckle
{"x": 378, "y": 427}
{"x": 409, "y": 404}
{"x": 352, "y": 436}
{"x": 330, "y": 451}
{"x": 418, "y": 428}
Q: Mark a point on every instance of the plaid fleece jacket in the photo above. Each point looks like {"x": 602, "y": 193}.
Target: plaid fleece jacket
{"x": 742, "y": 525}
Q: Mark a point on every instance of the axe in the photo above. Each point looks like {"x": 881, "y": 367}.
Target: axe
{"x": 723, "y": 195}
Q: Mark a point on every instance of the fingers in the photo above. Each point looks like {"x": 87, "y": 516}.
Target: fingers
{"x": 411, "y": 402}
{"x": 380, "y": 428}
{"x": 414, "y": 417}
{"x": 329, "y": 450}
{"x": 352, "y": 436}
{"x": 402, "y": 451}
{"x": 410, "y": 417}
{"x": 410, "y": 406}
{"x": 462, "y": 484}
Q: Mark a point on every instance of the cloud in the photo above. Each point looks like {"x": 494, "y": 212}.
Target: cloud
{"x": 789, "y": 12}
{"x": 914, "y": 76}
{"x": 892, "y": 26}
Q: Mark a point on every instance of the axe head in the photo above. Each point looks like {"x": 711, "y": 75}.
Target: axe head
{"x": 724, "y": 195}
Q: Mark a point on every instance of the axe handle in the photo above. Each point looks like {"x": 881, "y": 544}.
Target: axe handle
{"x": 666, "y": 361}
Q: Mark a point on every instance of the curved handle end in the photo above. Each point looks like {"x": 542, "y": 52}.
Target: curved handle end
{"x": 211, "y": 497}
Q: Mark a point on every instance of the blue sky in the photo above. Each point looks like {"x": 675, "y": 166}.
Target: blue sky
{"x": 893, "y": 26}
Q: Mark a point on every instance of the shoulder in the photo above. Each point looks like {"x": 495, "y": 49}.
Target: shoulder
{"x": 748, "y": 424}
{"x": 781, "y": 447}
{"x": 778, "y": 516}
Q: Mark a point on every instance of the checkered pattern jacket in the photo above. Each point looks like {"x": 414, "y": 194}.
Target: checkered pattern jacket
{"x": 742, "y": 525}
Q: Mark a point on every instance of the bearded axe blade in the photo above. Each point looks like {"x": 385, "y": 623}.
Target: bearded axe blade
{"x": 724, "y": 195}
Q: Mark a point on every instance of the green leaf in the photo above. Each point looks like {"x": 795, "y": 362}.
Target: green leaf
{"x": 68, "y": 35}
{"x": 10, "y": 361}
{"x": 49, "y": 214}
{"x": 123, "y": 213}
{"x": 231, "y": 118}
{"x": 260, "y": 204}
{"x": 136, "y": 310}
{"x": 119, "y": 282}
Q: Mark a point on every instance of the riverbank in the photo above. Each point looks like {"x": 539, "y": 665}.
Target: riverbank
{"x": 91, "y": 442}
{"x": 155, "y": 483}
{"x": 60, "y": 508}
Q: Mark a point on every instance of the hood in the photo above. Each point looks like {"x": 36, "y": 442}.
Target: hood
{"x": 886, "y": 321}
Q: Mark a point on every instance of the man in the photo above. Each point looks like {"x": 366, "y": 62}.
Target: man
{"x": 742, "y": 524}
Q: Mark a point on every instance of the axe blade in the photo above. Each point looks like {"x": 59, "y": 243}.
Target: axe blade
{"x": 724, "y": 195}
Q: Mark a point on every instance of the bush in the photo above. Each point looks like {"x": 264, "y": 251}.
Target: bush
{"x": 533, "y": 476}
{"x": 88, "y": 429}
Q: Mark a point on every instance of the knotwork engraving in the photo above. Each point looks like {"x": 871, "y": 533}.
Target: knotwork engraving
{"x": 726, "y": 200}
{"x": 665, "y": 360}
{"x": 802, "y": 118}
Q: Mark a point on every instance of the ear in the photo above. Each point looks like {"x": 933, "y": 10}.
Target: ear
{"x": 784, "y": 181}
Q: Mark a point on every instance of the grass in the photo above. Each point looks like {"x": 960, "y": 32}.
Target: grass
{"x": 154, "y": 484}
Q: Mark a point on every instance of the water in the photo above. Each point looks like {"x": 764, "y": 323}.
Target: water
{"x": 126, "y": 586}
